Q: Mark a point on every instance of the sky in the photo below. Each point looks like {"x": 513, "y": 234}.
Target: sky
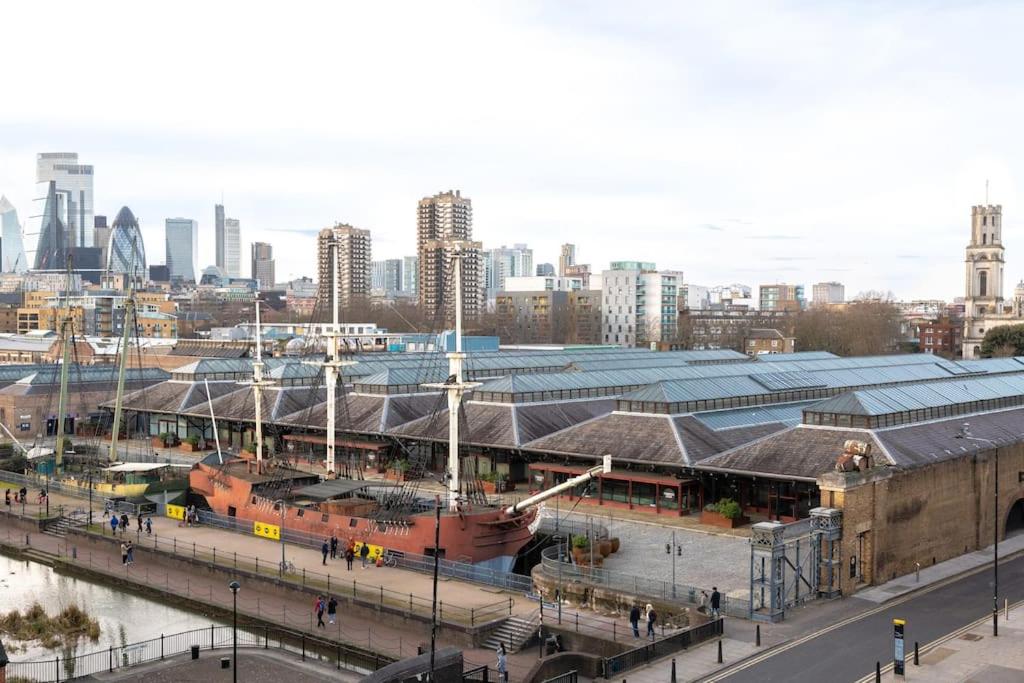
{"x": 738, "y": 142}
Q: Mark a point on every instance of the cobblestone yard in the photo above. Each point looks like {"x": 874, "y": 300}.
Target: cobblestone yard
{"x": 707, "y": 559}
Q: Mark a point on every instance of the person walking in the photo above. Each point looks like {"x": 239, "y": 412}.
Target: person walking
{"x": 139, "y": 520}
{"x": 124, "y": 523}
{"x": 106, "y": 509}
{"x": 23, "y": 492}
{"x": 324, "y": 549}
{"x": 349, "y": 556}
{"x": 652, "y": 617}
{"x": 634, "y": 620}
{"x": 364, "y": 553}
{"x": 716, "y": 603}
{"x": 7, "y": 498}
{"x": 332, "y": 610}
{"x": 124, "y": 553}
{"x": 334, "y": 547}
{"x": 113, "y": 524}
{"x": 149, "y": 526}
{"x": 320, "y": 606}
{"x": 131, "y": 553}
{"x": 502, "y": 664}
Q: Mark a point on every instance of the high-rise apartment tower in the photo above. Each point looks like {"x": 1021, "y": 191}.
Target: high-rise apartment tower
{"x": 444, "y": 222}
{"x": 354, "y": 254}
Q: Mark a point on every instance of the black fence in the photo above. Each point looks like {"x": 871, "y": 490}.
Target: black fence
{"x": 215, "y": 637}
{"x": 645, "y": 654}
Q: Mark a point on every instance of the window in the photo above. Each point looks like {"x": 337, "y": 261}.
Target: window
{"x": 983, "y": 283}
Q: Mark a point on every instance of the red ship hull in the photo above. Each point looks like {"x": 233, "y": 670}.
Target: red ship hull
{"x": 480, "y": 535}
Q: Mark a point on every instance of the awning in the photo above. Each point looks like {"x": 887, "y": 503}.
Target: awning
{"x": 332, "y": 488}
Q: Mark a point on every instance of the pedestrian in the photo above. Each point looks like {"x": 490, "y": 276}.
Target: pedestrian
{"x": 364, "y": 552}
{"x": 716, "y": 603}
{"x": 332, "y": 609}
{"x": 634, "y": 620}
{"x": 124, "y": 523}
{"x": 23, "y": 492}
{"x": 324, "y": 549}
{"x": 140, "y": 521}
{"x": 334, "y": 547}
{"x": 320, "y": 606}
{"x": 149, "y": 526}
{"x": 7, "y": 498}
{"x": 124, "y": 553}
{"x": 502, "y": 664}
{"x": 106, "y": 509}
{"x": 652, "y": 617}
{"x": 349, "y": 556}
{"x": 131, "y": 553}
{"x": 113, "y": 525}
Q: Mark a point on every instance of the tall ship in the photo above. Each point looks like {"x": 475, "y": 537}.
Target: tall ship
{"x": 278, "y": 499}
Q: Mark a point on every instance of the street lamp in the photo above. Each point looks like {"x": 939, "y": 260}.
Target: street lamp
{"x": 280, "y": 503}
{"x": 673, "y": 550}
{"x": 965, "y": 433}
{"x": 234, "y": 586}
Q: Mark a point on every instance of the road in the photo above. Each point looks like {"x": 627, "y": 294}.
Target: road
{"x": 849, "y": 651}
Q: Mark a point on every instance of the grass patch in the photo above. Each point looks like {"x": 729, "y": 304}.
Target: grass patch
{"x": 34, "y": 624}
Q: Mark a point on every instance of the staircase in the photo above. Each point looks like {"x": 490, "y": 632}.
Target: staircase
{"x": 514, "y": 632}
{"x": 59, "y": 527}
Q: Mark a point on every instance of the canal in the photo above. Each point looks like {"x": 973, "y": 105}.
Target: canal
{"x": 124, "y": 617}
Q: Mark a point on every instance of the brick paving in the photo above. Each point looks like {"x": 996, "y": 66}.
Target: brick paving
{"x": 254, "y": 666}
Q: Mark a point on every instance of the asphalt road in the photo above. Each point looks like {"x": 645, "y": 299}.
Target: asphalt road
{"x": 849, "y": 652}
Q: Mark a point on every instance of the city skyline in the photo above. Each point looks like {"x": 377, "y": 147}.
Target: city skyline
{"x": 763, "y": 144}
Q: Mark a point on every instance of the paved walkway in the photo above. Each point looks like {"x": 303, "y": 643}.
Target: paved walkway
{"x": 971, "y": 654}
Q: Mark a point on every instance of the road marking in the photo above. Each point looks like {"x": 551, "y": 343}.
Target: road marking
{"x": 928, "y": 647}
{"x": 784, "y": 647}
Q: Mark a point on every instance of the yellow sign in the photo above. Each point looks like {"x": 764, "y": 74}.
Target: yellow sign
{"x": 375, "y": 550}
{"x": 176, "y": 512}
{"x": 271, "y": 531}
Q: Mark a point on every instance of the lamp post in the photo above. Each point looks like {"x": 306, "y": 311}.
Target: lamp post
{"x": 280, "y": 503}
{"x": 965, "y": 433}
{"x": 234, "y": 586}
{"x": 673, "y": 550}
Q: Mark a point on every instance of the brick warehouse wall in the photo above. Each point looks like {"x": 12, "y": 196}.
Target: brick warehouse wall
{"x": 893, "y": 519}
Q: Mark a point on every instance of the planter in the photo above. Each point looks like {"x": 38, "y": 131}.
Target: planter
{"x": 501, "y": 486}
{"x": 157, "y": 442}
{"x": 615, "y": 544}
{"x": 719, "y": 520}
{"x": 581, "y": 555}
{"x": 188, "y": 448}
{"x": 604, "y": 548}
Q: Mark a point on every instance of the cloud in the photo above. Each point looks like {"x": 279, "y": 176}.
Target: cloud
{"x": 710, "y": 226}
{"x": 790, "y": 258}
{"x": 773, "y": 237}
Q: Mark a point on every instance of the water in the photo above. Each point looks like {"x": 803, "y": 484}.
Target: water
{"x": 123, "y": 616}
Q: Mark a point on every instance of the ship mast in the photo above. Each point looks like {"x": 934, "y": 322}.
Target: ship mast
{"x": 333, "y": 363}
{"x": 129, "y": 323}
{"x": 257, "y": 388}
{"x": 455, "y": 386}
{"x": 67, "y": 334}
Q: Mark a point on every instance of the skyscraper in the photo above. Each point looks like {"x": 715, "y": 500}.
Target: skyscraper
{"x": 101, "y": 236}
{"x": 126, "y": 253}
{"x": 505, "y": 262}
{"x": 74, "y": 180}
{"x": 387, "y": 275}
{"x": 218, "y": 236}
{"x": 263, "y": 264}
{"x": 443, "y": 220}
{"x": 410, "y": 275}
{"x": 354, "y": 253}
{"x": 825, "y": 293}
{"x": 51, "y": 249}
{"x": 181, "y": 237}
{"x": 232, "y": 247}
{"x": 11, "y": 246}
{"x": 545, "y": 269}
{"x": 566, "y": 258}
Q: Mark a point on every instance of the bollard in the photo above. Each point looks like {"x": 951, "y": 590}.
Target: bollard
{"x": 757, "y": 635}
{"x": 673, "y": 679}
{"x": 917, "y": 572}
{"x": 878, "y": 672}
{"x": 917, "y": 659}
{"x": 577, "y": 622}
{"x": 719, "y": 651}
{"x": 1006, "y": 609}
{"x": 74, "y": 552}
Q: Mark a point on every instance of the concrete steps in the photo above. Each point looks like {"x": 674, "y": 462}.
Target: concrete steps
{"x": 38, "y": 556}
{"x": 514, "y": 633}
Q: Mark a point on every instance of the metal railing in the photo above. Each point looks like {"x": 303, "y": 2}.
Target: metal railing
{"x": 337, "y": 584}
{"x": 420, "y": 563}
{"x": 638, "y": 585}
{"x": 643, "y": 655}
{"x": 215, "y": 637}
{"x": 567, "y": 677}
{"x": 99, "y": 498}
{"x": 480, "y": 674}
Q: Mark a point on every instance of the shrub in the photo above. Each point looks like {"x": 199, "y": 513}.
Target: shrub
{"x": 729, "y": 508}
{"x": 194, "y": 441}
{"x": 580, "y": 541}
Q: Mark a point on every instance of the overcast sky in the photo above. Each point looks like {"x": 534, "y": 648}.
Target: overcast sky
{"x": 753, "y": 143}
